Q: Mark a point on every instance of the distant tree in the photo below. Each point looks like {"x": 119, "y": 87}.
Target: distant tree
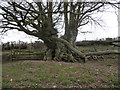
{"x": 40, "y": 19}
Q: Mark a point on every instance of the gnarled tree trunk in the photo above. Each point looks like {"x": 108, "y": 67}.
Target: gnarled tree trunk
{"x": 61, "y": 50}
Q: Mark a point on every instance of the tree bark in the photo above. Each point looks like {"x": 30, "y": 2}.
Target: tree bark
{"x": 61, "y": 50}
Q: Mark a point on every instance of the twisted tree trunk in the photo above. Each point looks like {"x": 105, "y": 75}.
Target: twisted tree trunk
{"x": 61, "y": 50}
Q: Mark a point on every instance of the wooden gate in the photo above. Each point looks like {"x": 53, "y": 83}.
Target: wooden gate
{"x": 25, "y": 55}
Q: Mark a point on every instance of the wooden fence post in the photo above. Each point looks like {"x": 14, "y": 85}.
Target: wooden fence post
{"x": 11, "y": 55}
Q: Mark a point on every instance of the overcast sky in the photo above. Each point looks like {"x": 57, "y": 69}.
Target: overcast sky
{"x": 109, "y": 29}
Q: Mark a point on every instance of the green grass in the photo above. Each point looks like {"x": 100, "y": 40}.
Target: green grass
{"x": 13, "y": 70}
{"x": 6, "y": 86}
{"x": 17, "y": 80}
{"x": 114, "y": 82}
{"x": 43, "y": 76}
{"x": 86, "y": 80}
{"x": 65, "y": 82}
{"x": 109, "y": 64}
{"x": 47, "y": 74}
{"x": 33, "y": 80}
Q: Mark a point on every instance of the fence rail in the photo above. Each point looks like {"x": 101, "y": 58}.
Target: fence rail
{"x": 24, "y": 55}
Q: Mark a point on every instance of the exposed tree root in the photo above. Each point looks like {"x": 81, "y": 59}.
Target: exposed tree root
{"x": 116, "y": 44}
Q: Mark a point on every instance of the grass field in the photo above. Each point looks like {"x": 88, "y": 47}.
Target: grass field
{"x": 51, "y": 74}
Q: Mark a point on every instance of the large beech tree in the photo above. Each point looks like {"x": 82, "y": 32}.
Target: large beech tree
{"x": 40, "y": 19}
